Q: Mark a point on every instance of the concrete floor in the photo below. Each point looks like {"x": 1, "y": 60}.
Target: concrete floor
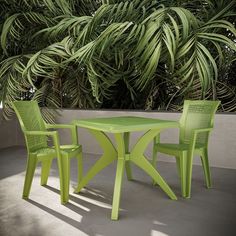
{"x": 145, "y": 209}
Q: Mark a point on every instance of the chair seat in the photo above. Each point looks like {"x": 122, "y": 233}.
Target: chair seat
{"x": 174, "y": 148}
{"x": 68, "y": 150}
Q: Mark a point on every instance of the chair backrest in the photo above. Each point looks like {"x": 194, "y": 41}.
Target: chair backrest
{"x": 30, "y": 119}
{"x": 197, "y": 114}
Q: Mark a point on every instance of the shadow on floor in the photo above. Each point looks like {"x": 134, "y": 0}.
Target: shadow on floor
{"x": 12, "y": 161}
{"x": 64, "y": 218}
{"x": 145, "y": 209}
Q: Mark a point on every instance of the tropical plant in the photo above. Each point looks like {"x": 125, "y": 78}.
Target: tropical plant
{"x": 137, "y": 54}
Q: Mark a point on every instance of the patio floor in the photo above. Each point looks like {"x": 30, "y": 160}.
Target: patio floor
{"x": 145, "y": 209}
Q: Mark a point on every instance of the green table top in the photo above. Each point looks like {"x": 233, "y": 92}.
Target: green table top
{"x": 124, "y": 124}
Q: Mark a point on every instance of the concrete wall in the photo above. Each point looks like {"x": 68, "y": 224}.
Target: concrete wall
{"x": 10, "y": 133}
{"x": 222, "y": 146}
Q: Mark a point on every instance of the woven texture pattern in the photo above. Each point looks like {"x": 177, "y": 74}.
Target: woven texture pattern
{"x": 31, "y": 120}
{"x": 197, "y": 115}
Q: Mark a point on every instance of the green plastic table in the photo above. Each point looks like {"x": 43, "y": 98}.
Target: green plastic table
{"x": 121, "y": 128}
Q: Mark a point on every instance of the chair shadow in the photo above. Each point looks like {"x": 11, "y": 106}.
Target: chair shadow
{"x": 68, "y": 220}
{"x": 12, "y": 161}
{"x": 93, "y": 193}
{"x": 88, "y": 198}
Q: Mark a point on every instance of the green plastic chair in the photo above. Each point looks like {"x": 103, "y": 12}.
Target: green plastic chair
{"x": 196, "y": 124}
{"x": 36, "y": 136}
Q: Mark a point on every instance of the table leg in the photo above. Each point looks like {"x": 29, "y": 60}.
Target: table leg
{"x": 119, "y": 175}
{"x": 127, "y": 163}
{"x": 106, "y": 159}
{"x": 137, "y": 157}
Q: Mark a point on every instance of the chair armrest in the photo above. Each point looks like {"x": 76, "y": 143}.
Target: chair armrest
{"x": 54, "y": 135}
{"x": 194, "y": 135}
{"x": 157, "y": 139}
{"x": 72, "y": 128}
{"x": 197, "y": 131}
{"x": 36, "y": 133}
{"x": 59, "y": 126}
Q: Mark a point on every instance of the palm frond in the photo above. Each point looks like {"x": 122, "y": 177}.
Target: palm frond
{"x": 15, "y": 24}
{"x": 45, "y": 63}
{"x": 12, "y": 85}
{"x": 85, "y": 53}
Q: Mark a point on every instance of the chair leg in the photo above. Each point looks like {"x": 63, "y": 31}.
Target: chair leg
{"x": 80, "y": 167}
{"x": 178, "y": 165}
{"x": 30, "y": 169}
{"x": 64, "y": 179}
{"x": 46, "y": 165}
{"x": 189, "y": 168}
{"x": 206, "y": 168}
{"x": 156, "y": 140}
{"x": 182, "y": 161}
{"x": 154, "y": 156}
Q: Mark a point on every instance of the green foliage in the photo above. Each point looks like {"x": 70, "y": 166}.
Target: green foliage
{"x": 135, "y": 54}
